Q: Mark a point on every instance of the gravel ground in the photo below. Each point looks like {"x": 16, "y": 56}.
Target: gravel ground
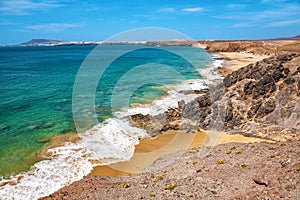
{"x": 229, "y": 171}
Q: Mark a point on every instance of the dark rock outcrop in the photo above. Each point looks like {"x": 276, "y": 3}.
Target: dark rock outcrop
{"x": 266, "y": 98}
{"x": 261, "y": 99}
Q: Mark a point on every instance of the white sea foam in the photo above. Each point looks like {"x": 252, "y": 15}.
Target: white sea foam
{"x": 109, "y": 142}
{"x": 68, "y": 164}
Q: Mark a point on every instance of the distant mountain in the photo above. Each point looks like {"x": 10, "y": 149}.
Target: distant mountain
{"x": 41, "y": 42}
{"x": 297, "y": 37}
{"x": 45, "y": 42}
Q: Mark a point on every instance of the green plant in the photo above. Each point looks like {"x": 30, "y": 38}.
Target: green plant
{"x": 194, "y": 162}
{"x": 208, "y": 147}
{"x": 152, "y": 194}
{"x": 228, "y": 152}
{"x": 238, "y": 151}
{"x": 170, "y": 186}
{"x": 220, "y": 161}
{"x": 125, "y": 185}
{"x": 243, "y": 165}
{"x": 164, "y": 171}
{"x": 151, "y": 175}
{"x": 158, "y": 178}
{"x": 232, "y": 147}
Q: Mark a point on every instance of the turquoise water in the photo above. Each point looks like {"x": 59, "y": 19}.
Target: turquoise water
{"x": 36, "y": 93}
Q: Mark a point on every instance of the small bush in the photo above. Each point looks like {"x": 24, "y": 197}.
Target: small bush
{"x": 232, "y": 147}
{"x": 170, "y": 186}
{"x": 220, "y": 161}
{"x": 125, "y": 185}
{"x": 158, "y": 178}
{"x": 243, "y": 165}
{"x": 228, "y": 152}
{"x": 151, "y": 175}
{"x": 152, "y": 194}
{"x": 238, "y": 151}
{"x": 194, "y": 162}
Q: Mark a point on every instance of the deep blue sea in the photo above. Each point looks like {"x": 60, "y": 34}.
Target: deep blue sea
{"x": 37, "y": 85}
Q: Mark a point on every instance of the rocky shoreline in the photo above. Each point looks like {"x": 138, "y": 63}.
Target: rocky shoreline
{"x": 259, "y": 100}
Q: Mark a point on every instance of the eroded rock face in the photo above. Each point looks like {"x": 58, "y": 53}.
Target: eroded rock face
{"x": 261, "y": 99}
{"x": 187, "y": 117}
{"x": 266, "y": 101}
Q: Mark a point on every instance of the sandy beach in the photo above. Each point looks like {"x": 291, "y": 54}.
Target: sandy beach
{"x": 150, "y": 149}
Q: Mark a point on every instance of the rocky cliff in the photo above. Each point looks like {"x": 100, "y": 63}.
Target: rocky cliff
{"x": 261, "y": 100}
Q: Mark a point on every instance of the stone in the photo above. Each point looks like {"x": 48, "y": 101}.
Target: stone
{"x": 266, "y": 108}
{"x": 248, "y": 87}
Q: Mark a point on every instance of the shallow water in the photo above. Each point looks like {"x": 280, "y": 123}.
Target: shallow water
{"x": 36, "y": 93}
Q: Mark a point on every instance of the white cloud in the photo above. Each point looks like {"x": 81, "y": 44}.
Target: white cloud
{"x": 283, "y": 23}
{"x": 279, "y": 1}
{"x": 51, "y": 27}
{"x": 23, "y": 7}
{"x": 196, "y": 9}
{"x": 271, "y": 14}
{"x": 167, "y": 10}
{"x": 279, "y": 16}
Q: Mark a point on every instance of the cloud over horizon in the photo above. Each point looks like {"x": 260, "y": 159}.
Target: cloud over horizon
{"x": 195, "y": 9}
{"x": 51, "y": 27}
{"x": 97, "y": 20}
{"x": 24, "y": 7}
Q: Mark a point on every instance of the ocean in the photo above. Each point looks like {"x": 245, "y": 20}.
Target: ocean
{"x": 37, "y": 103}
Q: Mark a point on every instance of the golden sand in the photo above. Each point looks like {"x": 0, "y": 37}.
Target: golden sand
{"x": 242, "y": 59}
{"x": 150, "y": 149}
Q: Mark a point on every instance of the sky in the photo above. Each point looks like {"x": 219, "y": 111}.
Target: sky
{"x": 97, "y": 20}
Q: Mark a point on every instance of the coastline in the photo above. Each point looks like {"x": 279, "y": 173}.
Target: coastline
{"x": 149, "y": 150}
{"x": 231, "y": 61}
{"x": 62, "y": 148}
{"x": 270, "y": 147}
{"x": 225, "y": 138}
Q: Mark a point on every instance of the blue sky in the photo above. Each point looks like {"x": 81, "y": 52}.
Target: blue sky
{"x": 92, "y": 20}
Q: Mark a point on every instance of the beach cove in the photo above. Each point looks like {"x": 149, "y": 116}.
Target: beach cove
{"x": 225, "y": 171}
{"x": 154, "y": 144}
